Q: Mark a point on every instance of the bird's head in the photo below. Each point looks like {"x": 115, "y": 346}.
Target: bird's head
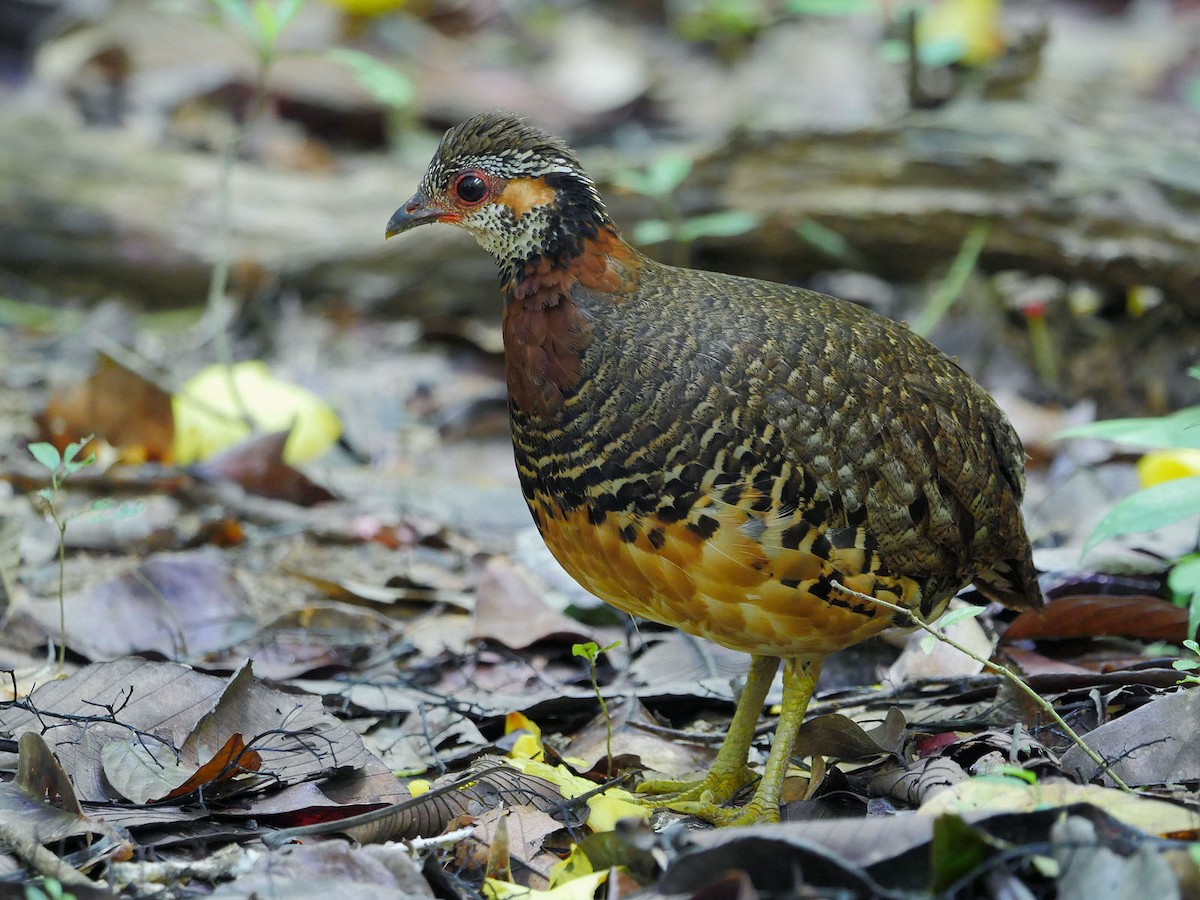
{"x": 520, "y": 191}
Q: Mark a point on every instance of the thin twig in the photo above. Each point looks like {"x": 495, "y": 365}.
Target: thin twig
{"x": 1008, "y": 673}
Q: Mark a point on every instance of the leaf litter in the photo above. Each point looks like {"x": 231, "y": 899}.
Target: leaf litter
{"x": 404, "y": 644}
{"x": 397, "y": 628}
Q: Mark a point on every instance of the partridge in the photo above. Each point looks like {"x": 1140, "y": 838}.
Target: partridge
{"x": 747, "y": 461}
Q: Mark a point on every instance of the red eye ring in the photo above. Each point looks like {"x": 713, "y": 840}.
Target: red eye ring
{"x": 470, "y": 188}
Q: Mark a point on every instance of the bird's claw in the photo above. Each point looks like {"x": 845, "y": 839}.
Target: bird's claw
{"x": 713, "y": 789}
{"x": 722, "y": 816}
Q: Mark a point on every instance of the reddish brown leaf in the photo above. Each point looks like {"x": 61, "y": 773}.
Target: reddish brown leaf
{"x": 256, "y": 464}
{"x": 232, "y": 760}
{"x": 118, "y": 405}
{"x": 1149, "y": 618}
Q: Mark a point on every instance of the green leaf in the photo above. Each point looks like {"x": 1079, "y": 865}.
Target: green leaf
{"x": 729, "y": 223}
{"x": 284, "y": 13}
{"x": 955, "y": 615}
{"x": 1180, "y": 429}
{"x": 47, "y": 494}
{"x": 109, "y": 511}
{"x": 942, "y": 51}
{"x": 386, "y": 83}
{"x": 831, "y": 243}
{"x": 72, "y": 467}
{"x": 238, "y": 13}
{"x": 958, "y": 615}
{"x": 666, "y": 173}
{"x": 651, "y": 231}
{"x": 1184, "y": 579}
{"x": 46, "y": 455}
{"x": 265, "y": 26}
{"x": 1184, "y": 582}
{"x": 588, "y": 651}
{"x": 956, "y": 850}
{"x": 831, "y": 8}
{"x": 1149, "y": 509}
{"x": 1015, "y": 772}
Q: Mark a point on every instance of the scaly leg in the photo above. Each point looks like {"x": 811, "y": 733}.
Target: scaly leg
{"x": 729, "y": 772}
{"x": 800, "y": 676}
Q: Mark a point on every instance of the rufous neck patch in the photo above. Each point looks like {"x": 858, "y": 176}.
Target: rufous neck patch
{"x": 523, "y": 194}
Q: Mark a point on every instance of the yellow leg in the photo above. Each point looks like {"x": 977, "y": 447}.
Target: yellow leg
{"x": 729, "y": 772}
{"x": 800, "y": 676}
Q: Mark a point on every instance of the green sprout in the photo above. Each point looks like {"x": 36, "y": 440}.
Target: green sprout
{"x": 1189, "y": 665}
{"x": 1161, "y": 504}
{"x": 590, "y": 651}
{"x": 61, "y": 467}
{"x": 659, "y": 181}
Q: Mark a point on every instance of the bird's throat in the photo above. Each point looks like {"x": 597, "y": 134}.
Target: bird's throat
{"x": 547, "y": 323}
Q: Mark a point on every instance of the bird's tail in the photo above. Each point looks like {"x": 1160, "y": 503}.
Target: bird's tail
{"x": 1013, "y": 582}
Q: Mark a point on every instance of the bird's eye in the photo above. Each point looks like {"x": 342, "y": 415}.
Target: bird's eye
{"x": 470, "y": 188}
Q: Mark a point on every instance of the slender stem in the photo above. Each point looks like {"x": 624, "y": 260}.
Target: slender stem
{"x": 1007, "y": 673}
{"x": 956, "y": 278}
{"x": 219, "y": 281}
{"x": 62, "y": 576}
{"x": 604, "y": 712}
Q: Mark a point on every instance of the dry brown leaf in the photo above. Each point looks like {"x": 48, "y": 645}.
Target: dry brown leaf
{"x": 40, "y": 807}
{"x": 1149, "y": 618}
{"x": 527, "y": 829}
{"x": 107, "y": 702}
{"x": 671, "y": 757}
{"x": 918, "y": 780}
{"x": 116, "y": 404}
{"x": 509, "y": 609}
{"x": 1157, "y": 743}
{"x": 149, "y": 772}
{"x": 839, "y": 737}
{"x": 325, "y": 869}
{"x": 256, "y": 465}
{"x": 181, "y": 605}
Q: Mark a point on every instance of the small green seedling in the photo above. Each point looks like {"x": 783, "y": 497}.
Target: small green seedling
{"x": 1161, "y": 504}
{"x": 49, "y": 889}
{"x": 659, "y": 181}
{"x": 1189, "y": 665}
{"x": 590, "y": 651}
{"x": 943, "y": 624}
{"x": 61, "y": 467}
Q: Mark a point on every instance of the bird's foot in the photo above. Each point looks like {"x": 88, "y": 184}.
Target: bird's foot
{"x": 753, "y": 813}
{"x": 714, "y": 788}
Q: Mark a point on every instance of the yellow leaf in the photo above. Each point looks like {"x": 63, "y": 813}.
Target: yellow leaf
{"x": 604, "y": 810}
{"x": 527, "y": 747}
{"x": 209, "y": 418}
{"x": 973, "y": 26}
{"x": 576, "y": 865}
{"x": 367, "y": 7}
{"x": 418, "y": 786}
{"x": 583, "y": 888}
{"x": 518, "y": 721}
{"x": 609, "y": 808}
{"x": 1011, "y": 794}
{"x": 1158, "y": 466}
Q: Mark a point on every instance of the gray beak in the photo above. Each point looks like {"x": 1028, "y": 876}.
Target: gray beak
{"x": 413, "y": 213}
